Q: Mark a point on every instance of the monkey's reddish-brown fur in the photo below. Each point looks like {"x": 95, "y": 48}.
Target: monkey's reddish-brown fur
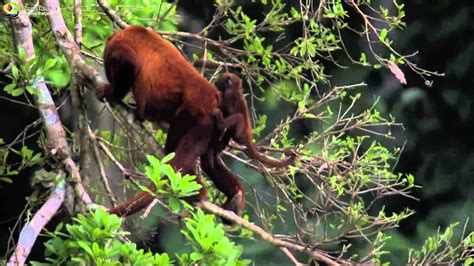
{"x": 166, "y": 88}
{"x": 162, "y": 80}
{"x": 236, "y": 125}
{"x": 237, "y": 120}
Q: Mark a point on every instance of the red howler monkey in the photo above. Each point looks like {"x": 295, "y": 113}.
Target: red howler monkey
{"x": 237, "y": 121}
{"x": 236, "y": 126}
{"x": 166, "y": 88}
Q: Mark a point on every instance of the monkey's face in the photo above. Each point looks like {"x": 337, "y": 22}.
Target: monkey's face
{"x": 228, "y": 83}
{"x": 223, "y": 83}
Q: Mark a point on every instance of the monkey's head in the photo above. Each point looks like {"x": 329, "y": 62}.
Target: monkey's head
{"x": 228, "y": 83}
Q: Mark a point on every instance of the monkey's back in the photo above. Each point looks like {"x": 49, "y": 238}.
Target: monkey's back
{"x": 163, "y": 80}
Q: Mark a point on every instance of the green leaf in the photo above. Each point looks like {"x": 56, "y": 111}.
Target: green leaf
{"x": 17, "y": 92}
{"x": 21, "y": 53}
{"x": 153, "y": 160}
{"x": 86, "y": 248}
{"x": 49, "y": 63}
{"x": 59, "y": 227}
{"x": 95, "y": 247}
{"x": 9, "y": 88}
{"x": 363, "y": 59}
{"x": 31, "y": 90}
{"x": 78, "y": 260}
{"x": 59, "y": 77}
{"x": 309, "y": 115}
{"x": 15, "y": 72}
{"x": 6, "y": 180}
{"x": 168, "y": 158}
{"x": 195, "y": 256}
{"x": 175, "y": 205}
{"x": 31, "y": 68}
{"x": 383, "y": 34}
{"x": 393, "y": 58}
{"x": 469, "y": 261}
{"x": 411, "y": 180}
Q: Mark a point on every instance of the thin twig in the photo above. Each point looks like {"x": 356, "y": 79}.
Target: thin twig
{"x": 103, "y": 175}
{"x": 112, "y": 14}
{"x": 291, "y": 257}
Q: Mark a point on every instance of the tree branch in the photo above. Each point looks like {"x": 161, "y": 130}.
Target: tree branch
{"x": 112, "y": 14}
{"x": 57, "y": 146}
{"x": 212, "y": 208}
{"x": 78, "y": 22}
{"x": 56, "y": 137}
{"x": 68, "y": 46}
{"x": 30, "y": 232}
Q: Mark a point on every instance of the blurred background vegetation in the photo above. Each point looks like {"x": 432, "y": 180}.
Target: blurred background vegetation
{"x": 438, "y": 119}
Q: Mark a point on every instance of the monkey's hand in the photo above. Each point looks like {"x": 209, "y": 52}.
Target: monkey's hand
{"x": 103, "y": 91}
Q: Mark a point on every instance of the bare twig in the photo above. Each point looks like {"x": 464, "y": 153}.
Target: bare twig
{"x": 368, "y": 24}
{"x": 17, "y": 102}
{"x": 112, "y": 14}
{"x": 103, "y": 175}
{"x": 291, "y": 257}
{"x": 214, "y": 64}
{"x": 33, "y": 9}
